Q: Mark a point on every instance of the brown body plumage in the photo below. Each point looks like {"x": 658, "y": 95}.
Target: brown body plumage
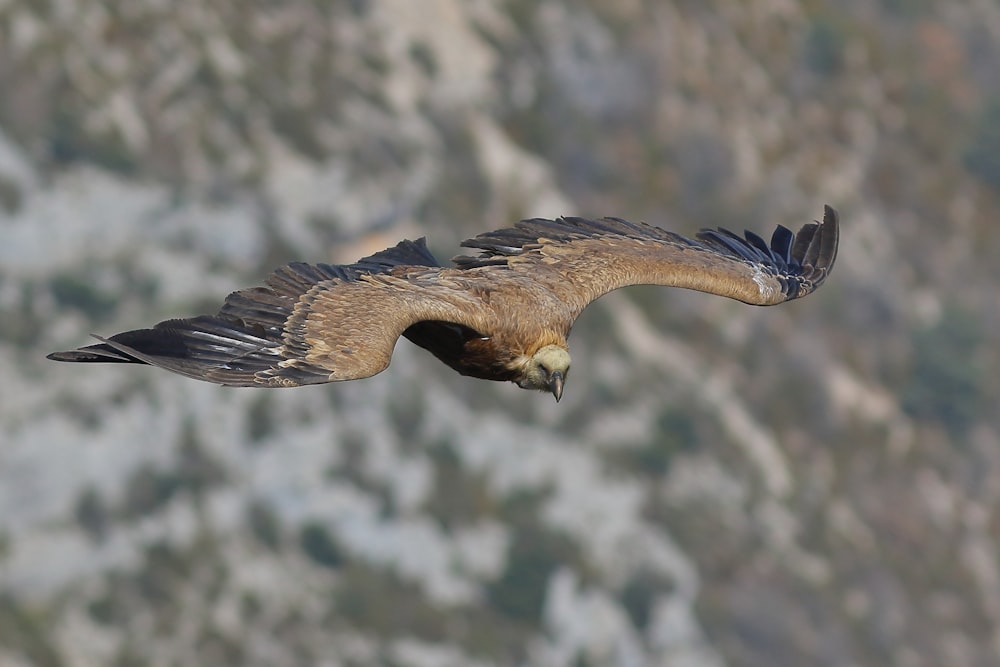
{"x": 504, "y": 314}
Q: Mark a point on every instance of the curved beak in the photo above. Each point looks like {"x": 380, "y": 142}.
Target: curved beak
{"x": 556, "y": 384}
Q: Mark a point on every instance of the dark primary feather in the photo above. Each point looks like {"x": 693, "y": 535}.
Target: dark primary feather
{"x": 802, "y": 261}
{"x": 781, "y": 243}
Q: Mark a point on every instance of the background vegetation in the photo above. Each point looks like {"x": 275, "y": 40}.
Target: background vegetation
{"x": 813, "y": 484}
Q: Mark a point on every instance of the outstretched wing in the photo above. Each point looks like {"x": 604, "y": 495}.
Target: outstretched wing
{"x": 581, "y": 260}
{"x": 309, "y": 324}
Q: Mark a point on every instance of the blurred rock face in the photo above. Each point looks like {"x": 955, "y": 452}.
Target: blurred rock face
{"x": 721, "y": 485}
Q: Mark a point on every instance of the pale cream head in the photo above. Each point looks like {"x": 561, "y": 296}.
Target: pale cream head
{"x": 546, "y": 370}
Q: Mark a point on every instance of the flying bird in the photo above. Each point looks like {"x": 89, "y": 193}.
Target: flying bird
{"x": 503, "y": 314}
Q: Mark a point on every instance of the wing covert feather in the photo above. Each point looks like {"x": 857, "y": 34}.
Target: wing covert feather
{"x": 348, "y": 330}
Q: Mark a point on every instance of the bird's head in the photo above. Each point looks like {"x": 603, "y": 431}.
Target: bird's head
{"x": 546, "y": 370}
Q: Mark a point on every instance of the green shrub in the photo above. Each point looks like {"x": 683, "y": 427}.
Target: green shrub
{"x": 982, "y": 156}
{"x": 824, "y": 48}
{"x": 320, "y": 546}
{"x": 947, "y": 382}
{"x": 533, "y": 555}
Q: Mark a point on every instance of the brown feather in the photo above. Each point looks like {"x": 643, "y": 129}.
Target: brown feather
{"x": 485, "y": 318}
{"x": 581, "y": 260}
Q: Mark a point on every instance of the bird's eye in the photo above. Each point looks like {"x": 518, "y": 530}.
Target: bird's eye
{"x": 544, "y": 368}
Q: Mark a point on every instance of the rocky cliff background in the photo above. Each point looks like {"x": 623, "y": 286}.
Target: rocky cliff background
{"x": 815, "y": 484}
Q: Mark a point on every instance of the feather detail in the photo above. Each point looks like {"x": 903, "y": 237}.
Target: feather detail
{"x": 486, "y": 317}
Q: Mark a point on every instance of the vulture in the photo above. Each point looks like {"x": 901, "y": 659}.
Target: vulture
{"x": 503, "y": 314}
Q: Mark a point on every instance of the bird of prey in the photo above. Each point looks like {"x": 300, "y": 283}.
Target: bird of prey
{"x": 503, "y": 314}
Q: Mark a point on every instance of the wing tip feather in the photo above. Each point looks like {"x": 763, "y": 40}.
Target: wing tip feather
{"x": 801, "y": 260}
